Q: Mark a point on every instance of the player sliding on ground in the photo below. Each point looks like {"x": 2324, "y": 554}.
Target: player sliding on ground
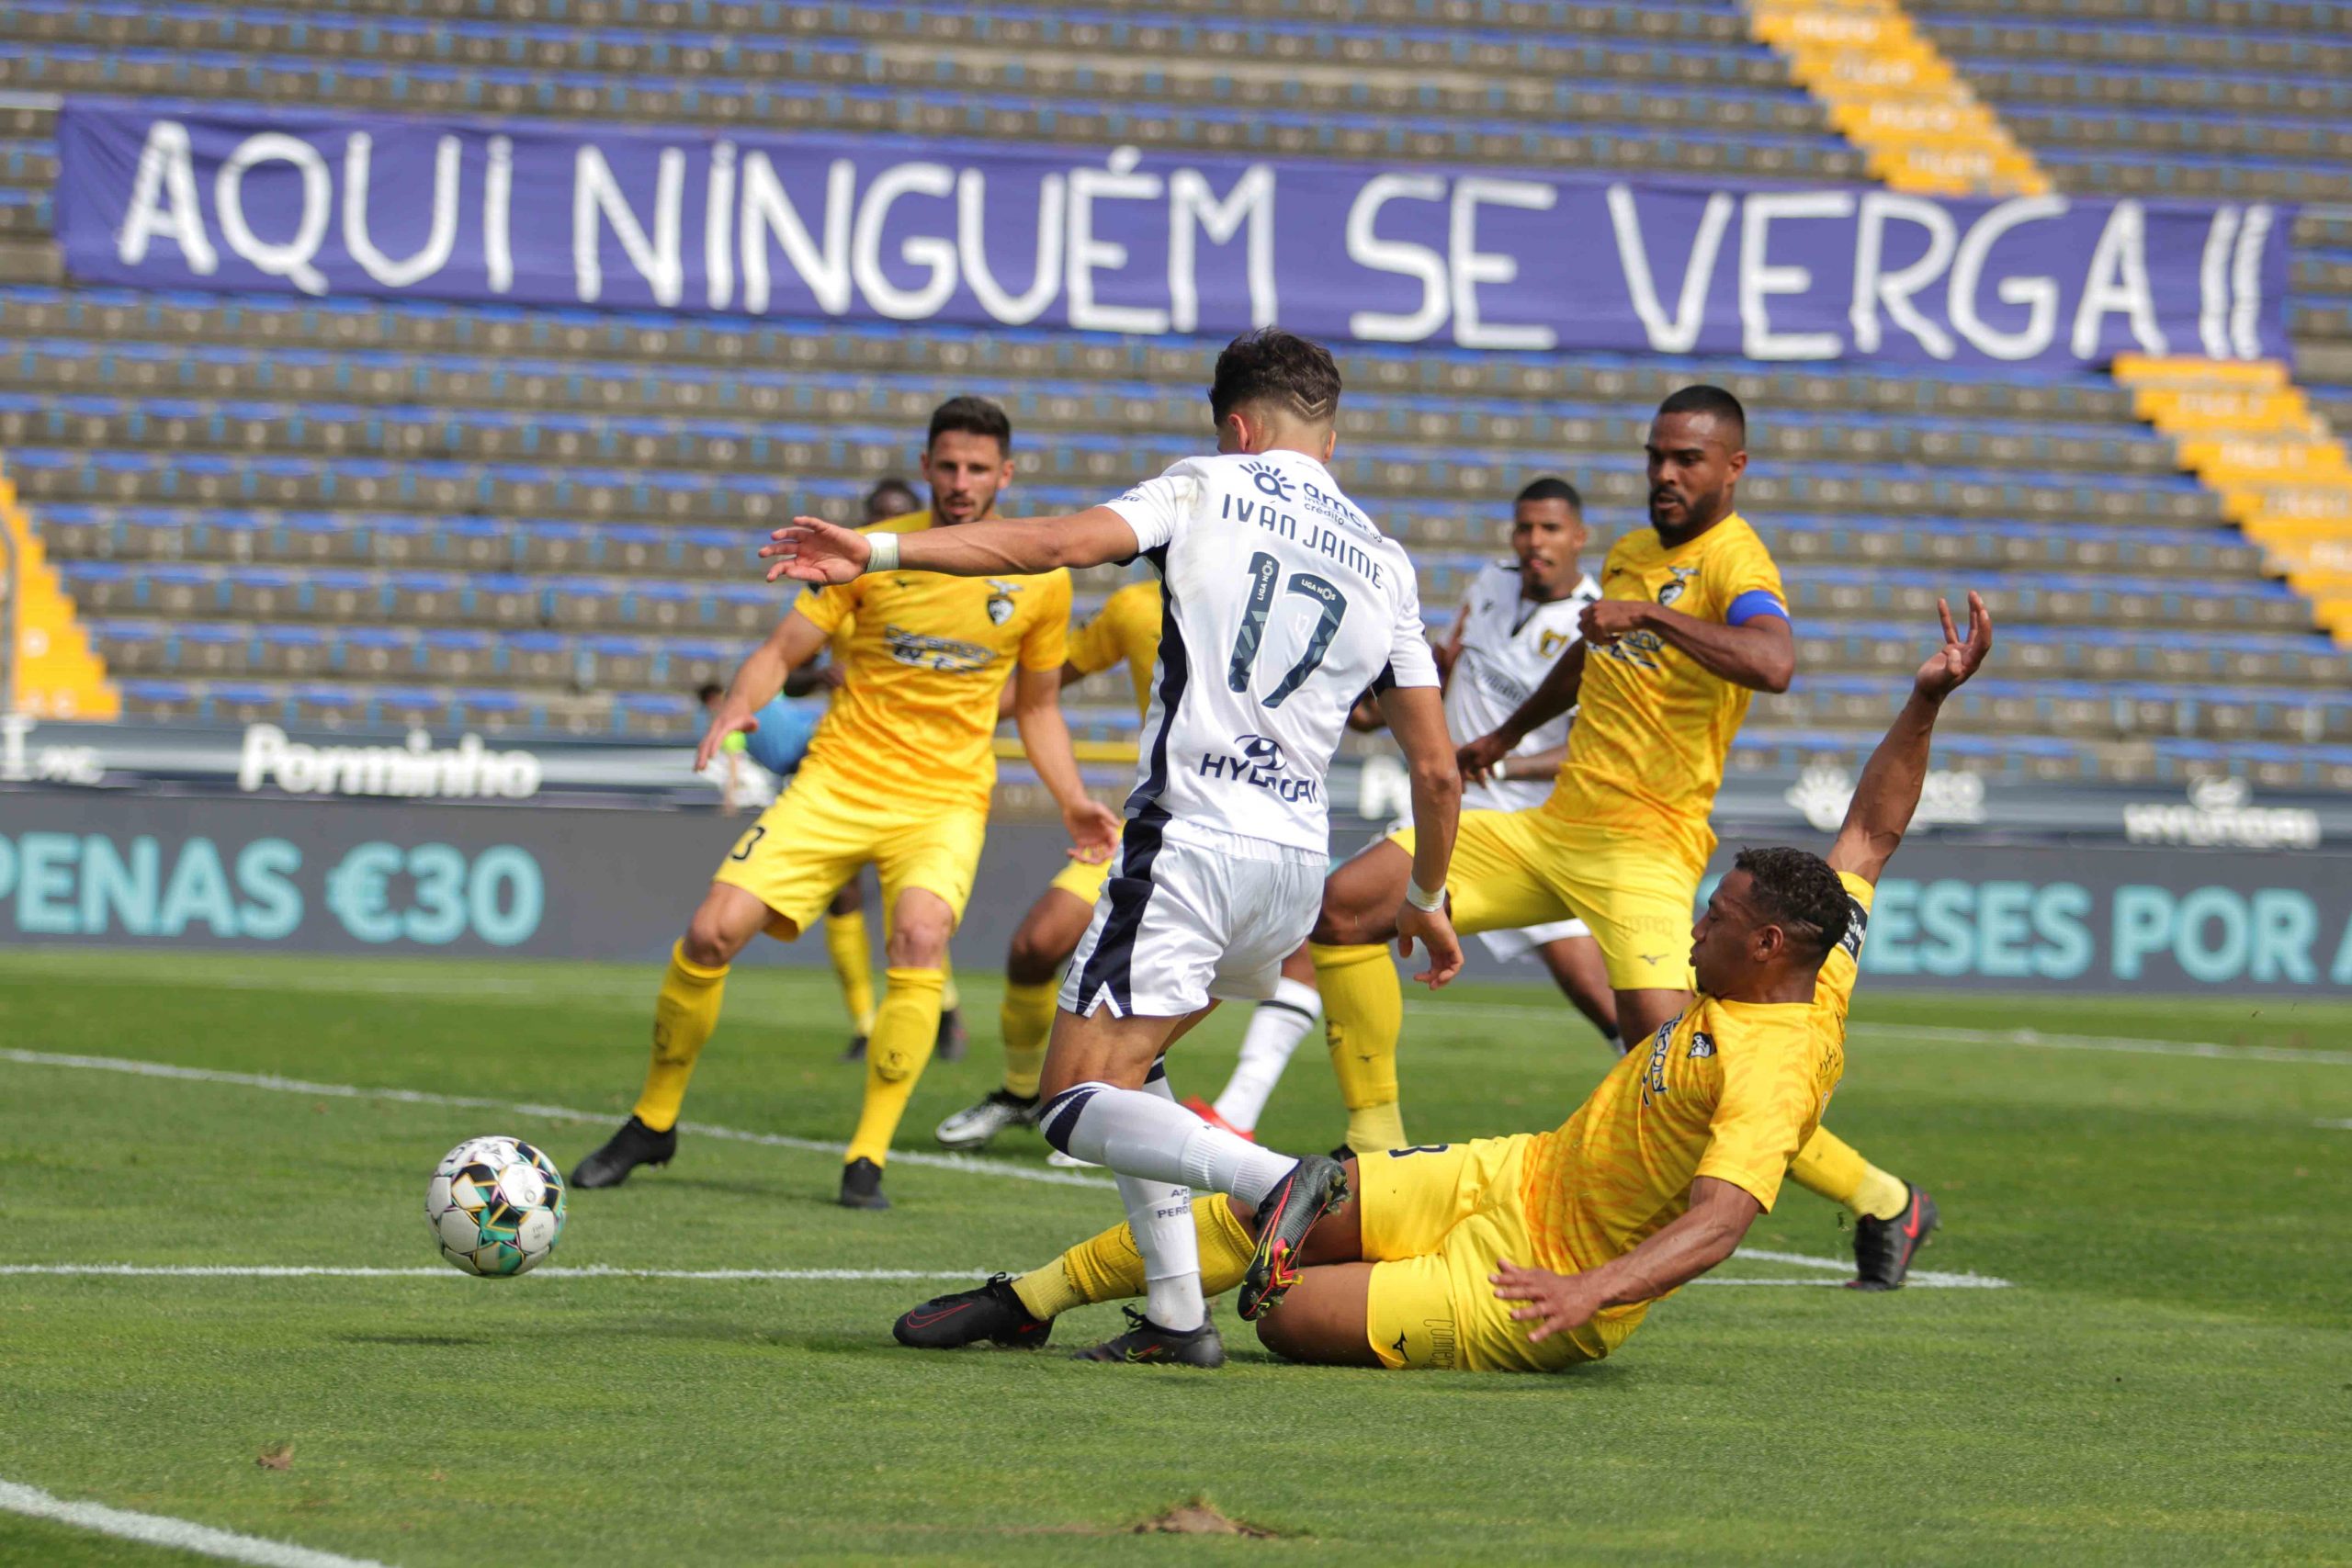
{"x": 898, "y": 776}
{"x": 1536, "y": 1252}
{"x": 1692, "y": 622}
{"x": 1282, "y": 602}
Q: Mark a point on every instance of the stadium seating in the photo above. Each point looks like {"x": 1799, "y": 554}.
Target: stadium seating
{"x": 355, "y": 513}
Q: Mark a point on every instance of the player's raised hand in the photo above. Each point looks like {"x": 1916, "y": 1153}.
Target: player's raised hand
{"x": 732, "y": 718}
{"x": 809, "y": 549}
{"x": 1476, "y": 759}
{"x": 1556, "y": 1302}
{"x": 1433, "y": 929}
{"x": 1093, "y": 832}
{"x": 1959, "y": 657}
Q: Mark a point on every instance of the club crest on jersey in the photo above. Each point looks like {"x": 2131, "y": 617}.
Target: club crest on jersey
{"x": 1000, "y": 594}
{"x": 1268, "y": 480}
{"x": 1260, "y": 764}
{"x": 1701, "y": 1045}
{"x": 1673, "y": 591}
{"x": 941, "y": 653}
{"x": 1549, "y": 643}
{"x": 1654, "y": 1071}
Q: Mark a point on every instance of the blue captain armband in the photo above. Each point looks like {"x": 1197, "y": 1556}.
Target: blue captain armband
{"x": 1754, "y": 602}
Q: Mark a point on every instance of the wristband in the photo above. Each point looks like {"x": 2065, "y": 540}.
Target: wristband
{"x": 886, "y": 552}
{"x": 1502, "y": 770}
{"x": 1426, "y": 902}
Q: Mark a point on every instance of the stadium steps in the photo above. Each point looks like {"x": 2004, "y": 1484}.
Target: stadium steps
{"x": 2283, "y": 475}
{"x": 53, "y": 671}
{"x": 1895, "y": 97}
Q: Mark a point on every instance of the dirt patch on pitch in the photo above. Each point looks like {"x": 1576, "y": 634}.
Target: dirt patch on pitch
{"x": 1200, "y": 1517}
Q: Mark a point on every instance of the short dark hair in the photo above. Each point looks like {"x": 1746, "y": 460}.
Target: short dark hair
{"x": 1703, "y": 399}
{"x": 1271, "y": 366}
{"x": 973, "y": 416}
{"x": 893, "y": 482}
{"x": 1551, "y": 489}
{"x": 709, "y": 689}
{"x": 1804, "y": 896}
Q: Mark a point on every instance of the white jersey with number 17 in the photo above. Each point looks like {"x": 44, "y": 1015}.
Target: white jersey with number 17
{"x": 1283, "y": 605}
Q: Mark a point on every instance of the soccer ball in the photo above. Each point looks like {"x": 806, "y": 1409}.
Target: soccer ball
{"x": 495, "y": 1206}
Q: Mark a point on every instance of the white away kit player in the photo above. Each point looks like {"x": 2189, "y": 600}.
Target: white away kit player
{"x": 1282, "y": 604}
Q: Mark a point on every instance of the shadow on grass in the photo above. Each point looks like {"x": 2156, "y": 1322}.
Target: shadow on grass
{"x": 414, "y": 1341}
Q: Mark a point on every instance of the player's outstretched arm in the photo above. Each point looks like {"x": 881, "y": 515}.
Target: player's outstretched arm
{"x": 1555, "y": 696}
{"x": 1709, "y": 1232}
{"x": 1045, "y": 736}
{"x": 794, "y": 642}
{"x": 1760, "y": 654}
{"x": 1889, "y": 790}
{"x": 809, "y": 549}
{"x": 1416, "y": 717}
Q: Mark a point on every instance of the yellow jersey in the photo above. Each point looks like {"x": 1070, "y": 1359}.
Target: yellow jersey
{"x": 1653, "y": 725}
{"x": 1729, "y": 1090}
{"x": 1126, "y": 627}
{"x": 924, "y": 660}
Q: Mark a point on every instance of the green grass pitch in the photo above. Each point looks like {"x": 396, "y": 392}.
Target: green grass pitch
{"x": 2167, "y": 1378}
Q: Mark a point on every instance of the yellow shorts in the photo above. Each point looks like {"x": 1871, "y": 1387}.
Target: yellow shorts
{"x": 1084, "y": 882}
{"x": 1525, "y": 868}
{"x": 795, "y": 857}
{"x": 1437, "y": 1220}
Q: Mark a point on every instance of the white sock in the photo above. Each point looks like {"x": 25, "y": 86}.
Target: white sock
{"x": 1161, "y": 1217}
{"x": 1275, "y": 1030}
{"x": 1138, "y": 1132}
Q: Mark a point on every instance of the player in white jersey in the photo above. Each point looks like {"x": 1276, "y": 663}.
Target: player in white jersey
{"x": 1282, "y": 601}
{"x": 1519, "y": 616}
{"x": 1518, "y": 619}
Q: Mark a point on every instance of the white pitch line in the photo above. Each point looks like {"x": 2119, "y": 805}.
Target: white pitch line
{"x": 1845, "y": 1265}
{"x": 1939, "y": 1034}
{"x": 161, "y": 1529}
{"x": 1925, "y": 1279}
{"x": 328, "y": 1271}
{"x": 472, "y": 1102}
{"x": 775, "y": 1140}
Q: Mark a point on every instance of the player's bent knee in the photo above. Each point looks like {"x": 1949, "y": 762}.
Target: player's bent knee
{"x": 1029, "y": 961}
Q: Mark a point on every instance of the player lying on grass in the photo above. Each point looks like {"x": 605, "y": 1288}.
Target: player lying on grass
{"x": 1282, "y": 604}
{"x": 1536, "y": 1252}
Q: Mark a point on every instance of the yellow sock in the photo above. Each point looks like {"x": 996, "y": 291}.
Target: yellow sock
{"x": 1107, "y": 1268}
{"x": 1364, "y": 1013}
{"x": 950, "y": 999}
{"x": 684, "y": 1016}
{"x": 1836, "y": 1169}
{"x": 1026, "y": 1020}
{"x": 846, "y": 940}
{"x": 905, "y": 1027}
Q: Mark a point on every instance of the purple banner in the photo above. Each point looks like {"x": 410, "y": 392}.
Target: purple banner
{"x": 886, "y": 228}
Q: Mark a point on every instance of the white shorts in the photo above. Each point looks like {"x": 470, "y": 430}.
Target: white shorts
{"x": 1191, "y": 913}
{"x": 1512, "y": 946}
{"x": 1516, "y": 945}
